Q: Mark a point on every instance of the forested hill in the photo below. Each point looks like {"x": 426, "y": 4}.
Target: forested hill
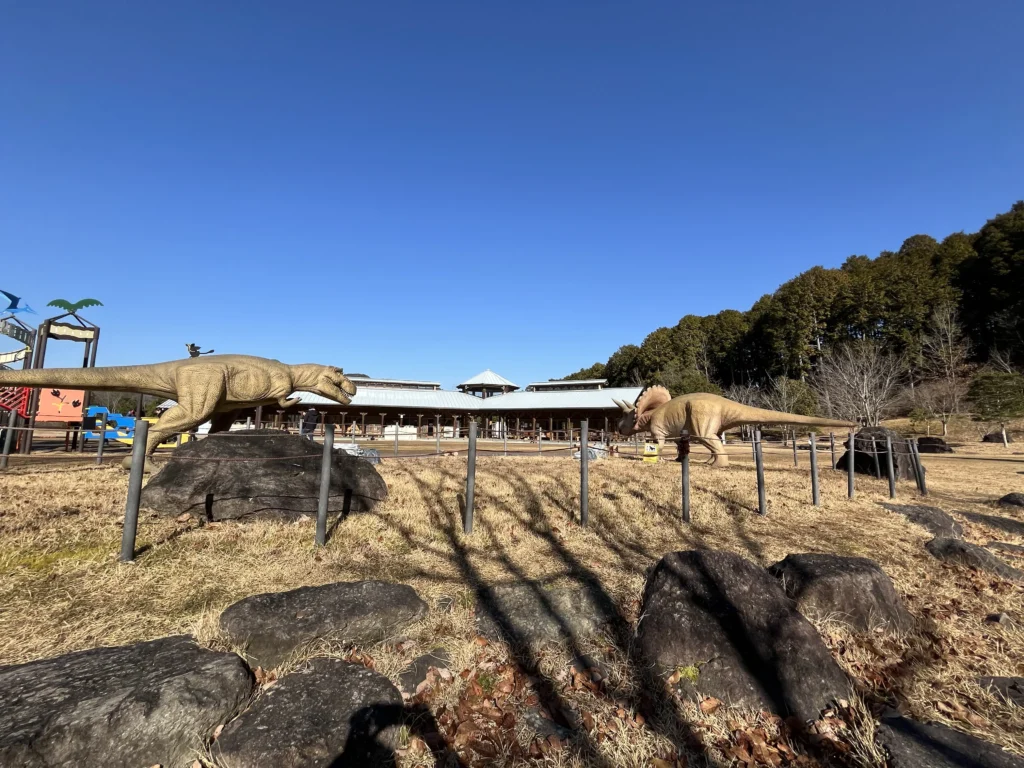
{"x": 889, "y": 299}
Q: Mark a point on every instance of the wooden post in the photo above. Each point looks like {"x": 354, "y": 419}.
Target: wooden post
{"x": 259, "y": 416}
{"x": 849, "y": 466}
{"x": 362, "y": 423}
{"x": 832, "y": 447}
{"x": 684, "y": 459}
{"x": 796, "y": 462}
{"x": 504, "y": 436}
{"x": 131, "y": 510}
{"x": 889, "y": 467}
{"x": 815, "y": 491}
{"x": 584, "y": 475}
{"x": 419, "y": 425}
{"x": 467, "y": 522}
{"x": 396, "y": 438}
{"x": 325, "y": 487}
{"x": 437, "y": 434}
{"x": 343, "y": 414}
{"x": 762, "y": 501}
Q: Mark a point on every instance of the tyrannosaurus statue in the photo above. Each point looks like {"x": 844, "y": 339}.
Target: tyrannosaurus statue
{"x": 704, "y": 416}
{"x": 205, "y": 388}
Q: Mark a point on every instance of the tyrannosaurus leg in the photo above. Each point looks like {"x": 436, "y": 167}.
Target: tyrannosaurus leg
{"x": 199, "y": 392}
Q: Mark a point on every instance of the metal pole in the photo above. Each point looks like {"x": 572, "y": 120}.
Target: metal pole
{"x": 467, "y": 522}
{"x": 920, "y": 469}
{"x": 584, "y": 475}
{"x": 815, "y": 490}
{"x": 832, "y": 447}
{"x": 12, "y": 420}
{"x": 796, "y": 462}
{"x": 762, "y": 502}
{"x": 248, "y": 422}
{"x": 684, "y": 459}
{"x": 103, "y": 438}
{"x": 325, "y": 485}
{"x": 753, "y": 448}
{"x": 849, "y": 466}
{"x": 874, "y": 453}
{"x": 396, "y": 438}
{"x": 437, "y": 434}
{"x": 131, "y": 510}
{"x": 504, "y": 436}
{"x": 889, "y": 467}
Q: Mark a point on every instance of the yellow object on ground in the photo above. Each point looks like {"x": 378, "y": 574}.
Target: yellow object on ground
{"x": 652, "y": 452}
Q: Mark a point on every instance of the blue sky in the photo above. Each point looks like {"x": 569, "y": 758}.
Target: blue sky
{"x": 425, "y": 190}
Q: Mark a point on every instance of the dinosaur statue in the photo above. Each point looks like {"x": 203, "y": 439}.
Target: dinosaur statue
{"x": 207, "y": 388}
{"x": 704, "y": 416}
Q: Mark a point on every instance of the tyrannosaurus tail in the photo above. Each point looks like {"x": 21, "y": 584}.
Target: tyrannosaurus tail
{"x": 748, "y": 415}
{"x": 112, "y": 378}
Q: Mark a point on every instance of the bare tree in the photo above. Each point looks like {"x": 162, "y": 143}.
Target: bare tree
{"x": 781, "y": 394}
{"x": 944, "y": 354}
{"x": 744, "y": 394}
{"x": 859, "y": 381}
{"x": 1001, "y": 362}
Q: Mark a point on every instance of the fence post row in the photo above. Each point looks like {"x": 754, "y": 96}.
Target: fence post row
{"x": 325, "y": 486}
{"x": 849, "y": 466}
{"x": 684, "y": 459}
{"x": 815, "y": 490}
{"x": 762, "y": 502}
{"x": 467, "y": 522}
{"x": 131, "y": 510}
{"x": 889, "y": 467}
{"x": 584, "y": 473}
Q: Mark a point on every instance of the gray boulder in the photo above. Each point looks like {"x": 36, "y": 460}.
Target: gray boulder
{"x": 532, "y": 614}
{"x": 729, "y": 626}
{"x": 1010, "y": 688}
{"x": 853, "y": 590}
{"x": 973, "y": 556}
{"x": 1006, "y": 524}
{"x": 996, "y": 437}
{"x": 937, "y": 522}
{"x": 865, "y": 450}
{"x": 933, "y": 445}
{"x": 910, "y": 744}
{"x": 214, "y": 479}
{"x": 273, "y": 625}
{"x": 329, "y": 713}
{"x": 1012, "y": 500}
{"x": 137, "y": 705}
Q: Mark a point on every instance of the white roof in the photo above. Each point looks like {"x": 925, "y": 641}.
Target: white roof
{"x": 373, "y": 380}
{"x": 564, "y": 382}
{"x": 567, "y": 399}
{"x": 488, "y": 378}
{"x": 427, "y": 400}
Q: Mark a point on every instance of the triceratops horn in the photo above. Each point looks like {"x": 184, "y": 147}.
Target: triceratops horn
{"x": 624, "y": 406}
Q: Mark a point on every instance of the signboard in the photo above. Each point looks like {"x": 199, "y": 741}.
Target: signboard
{"x": 60, "y": 404}
{"x": 25, "y": 335}
{"x": 6, "y": 358}
{"x": 67, "y": 332}
{"x": 652, "y": 452}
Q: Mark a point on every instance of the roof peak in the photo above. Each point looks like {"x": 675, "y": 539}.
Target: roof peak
{"x": 487, "y": 378}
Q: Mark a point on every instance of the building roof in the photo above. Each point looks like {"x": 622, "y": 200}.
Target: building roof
{"x": 488, "y": 378}
{"x": 393, "y": 382}
{"x": 566, "y": 383}
{"x": 565, "y": 399}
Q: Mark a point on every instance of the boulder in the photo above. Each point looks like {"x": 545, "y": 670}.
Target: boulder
{"x": 532, "y": 614}
{"x": 730, "y": 626}
{"x": 418, "y": 670}
{"x": 1003, "y": 546}
{"x": 933, "y": 445}
{"x": 1012, "y": 500}
{"x": 910, "y": 744}
{"x": 261, "y": 473}
{"x": 864, "y": 450}
{"x": 273, "y": 625}
{"x": 937, "y": 522}
{"x": 152, "y": 703}
{"x": 973, "y": 556}
{"x": 1009, "y": 688}
{"x": 996, "y": 437}
{"x": 1005, "y": 524}
{"x": 853, "y": 590}
{"x": 328, "y": 713}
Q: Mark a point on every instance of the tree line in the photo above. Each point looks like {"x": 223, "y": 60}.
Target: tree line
{"x": 916, "y": 328}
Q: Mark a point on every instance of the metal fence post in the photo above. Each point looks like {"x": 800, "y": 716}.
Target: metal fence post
{"x": 753, "y": 447}
{"x": 849, "y": 466}
{"x": 504, "y": 435}
{"x": 396, "y": 438}
{"x": 889, "y": 467}
{"x": 584, "y": 474}
{"x": 248, "y": 422}
{"x": 103, "y": 438}
{"x": 12, "y": 420}
{"x": 684, "y": 459}
{"x": 796, "y": 462}
{"x": 874, "y": 454}
{"x": 131, "y": 509}
{"x": 325, "y": 485}
{"x": 815, "y": 490}
{"x": 920, "y": 468}
{"x": 467, "y": 521}
{"x": 762, "y": 501}
{"x": 832, "y": 447}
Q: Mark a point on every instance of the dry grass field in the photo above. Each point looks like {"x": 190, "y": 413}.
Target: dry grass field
{"x": 61, "y": 589}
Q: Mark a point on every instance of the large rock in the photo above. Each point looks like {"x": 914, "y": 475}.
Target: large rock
{"x": 728, "y": 624}
{"x": 1012, "y": 500}
{"x": 1006, "y": 524}
{"x": 910, "y": 744}
{"x": 937, "y": 522}
{"x": 1009, "y": 688}
{"x": 933, "y": 445}
{"x": 996, "y": 437}
{"x": 853, "y": 590}
{"x": 973, "y": 556}
{"x": 153, "y": 703}
{"x": 273, "y": 625}
{"x": 329, "y": 713}
{"x": 214, "y": 479}
{"x": 864, "y": 450}
{"x": 532, "y": 614}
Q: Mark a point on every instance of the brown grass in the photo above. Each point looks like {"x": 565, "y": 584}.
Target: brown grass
{"x": 61, "y": 588}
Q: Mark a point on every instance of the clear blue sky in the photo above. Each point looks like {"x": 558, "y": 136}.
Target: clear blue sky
{"x": 427, "y": 189}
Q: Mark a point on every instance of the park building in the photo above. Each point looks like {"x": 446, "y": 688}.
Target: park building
{"x": 501, "y": 408}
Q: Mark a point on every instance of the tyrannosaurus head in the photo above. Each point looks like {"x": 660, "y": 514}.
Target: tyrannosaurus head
{"x": 324, "y": 380}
